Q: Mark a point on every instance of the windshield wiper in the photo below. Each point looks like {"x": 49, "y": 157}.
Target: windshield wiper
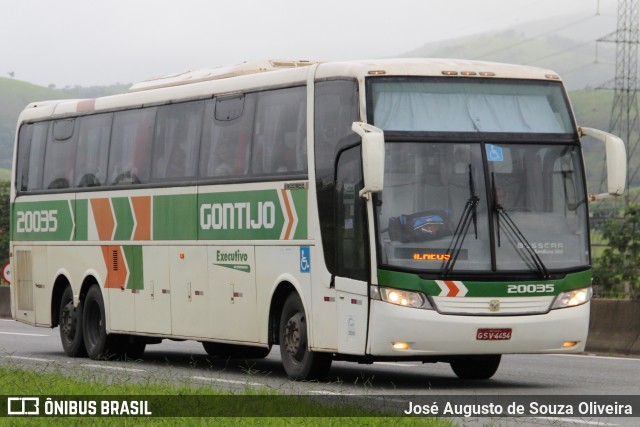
{"x": 468, "y": 215}
{"x": 512, "y": 228}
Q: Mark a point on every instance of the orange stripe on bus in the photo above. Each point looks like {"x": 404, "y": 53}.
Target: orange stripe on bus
{"x": 453, "y": 288}
{"x": 142, "y": 212}
{"x": 116, "y": 267}
{"x": 105, "y": 223}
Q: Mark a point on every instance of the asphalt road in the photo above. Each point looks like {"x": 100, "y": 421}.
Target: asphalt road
{"x": 187, "y": 363}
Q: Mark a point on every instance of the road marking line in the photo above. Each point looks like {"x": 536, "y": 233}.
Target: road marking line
{"x": 577, "y": 421}
{"x": 20, "y": 333}
{"x": 330, "y": 393}
{"x": 35, "y": 359}
{"x": 7, "y": 320}
{"x": 591, "y": 356}
{"x": 386, "y": 400}
{"x": 219, "y": 380}
{"x": 115, "y": 368}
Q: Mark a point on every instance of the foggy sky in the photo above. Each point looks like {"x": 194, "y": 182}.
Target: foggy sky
{"x": 84, "y": 42}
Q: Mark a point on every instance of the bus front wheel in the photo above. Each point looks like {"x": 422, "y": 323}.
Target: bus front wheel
{"x": 475, "y": 367}
{"x": 70, "y": 322}
{"x": 97, "y": 342}
{"x": 299, "y": 362}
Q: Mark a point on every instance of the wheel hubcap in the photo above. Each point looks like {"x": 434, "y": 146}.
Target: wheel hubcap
{"x": 68, "y": 321}
{"x": 294, "y": 341}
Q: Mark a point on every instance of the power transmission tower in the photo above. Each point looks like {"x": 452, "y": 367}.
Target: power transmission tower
{"x": 625, "y": 120}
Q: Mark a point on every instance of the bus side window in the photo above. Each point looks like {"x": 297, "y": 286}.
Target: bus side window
{"x": 31, "y": 150}
{"x": 60, "y": 154}
{"x": 351, "y": 246}
{"x": 226, "y": 137}
{"x": 94, "y": 133}
{"x": 176, "y": 142}
{"x": 336, "y": 108}
{"x": 130, "y": 146}
{"x": 280, "y": 132}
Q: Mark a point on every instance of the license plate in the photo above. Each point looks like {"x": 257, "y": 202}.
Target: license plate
{"x": 493, "y": 334}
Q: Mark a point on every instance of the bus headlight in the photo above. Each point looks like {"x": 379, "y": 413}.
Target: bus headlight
{"x": 573, "y": 298}
{"x": 401, "y": 297}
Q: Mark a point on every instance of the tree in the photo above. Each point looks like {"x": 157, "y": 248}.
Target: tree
{"x": 618, "y": 268}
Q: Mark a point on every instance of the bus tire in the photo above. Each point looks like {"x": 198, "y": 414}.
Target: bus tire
{"x": 233, "y": 351}
{"x": 98, "y": 343}
{"x": 70, "y": 322}
{"x": 475, "y": 367}
{"x": 299, "y": 362}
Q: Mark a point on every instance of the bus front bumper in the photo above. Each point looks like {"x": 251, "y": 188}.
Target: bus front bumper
{"x": 429, "y": 333}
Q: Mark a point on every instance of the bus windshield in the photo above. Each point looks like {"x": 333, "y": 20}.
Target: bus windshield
{"x": 469, "y": 105}
{"x": 454, "y": 202}
{"x": 442, "y": 207}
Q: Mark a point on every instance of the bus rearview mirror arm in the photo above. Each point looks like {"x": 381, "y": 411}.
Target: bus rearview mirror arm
{"x": 616, "y": 162}
{"x": 372, "y": 157}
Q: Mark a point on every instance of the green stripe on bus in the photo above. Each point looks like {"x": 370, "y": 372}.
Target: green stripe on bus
{"x": 82, "y": 220}
{"x": 414, "y": 282}
{"x": 124, "y": 218}
{"x": 271, "y": 214}
{"x": 46, "y": 220}
{"x": 299, "y": 197}
{"x": 175, "y": 217}
{"x": 133, "y": 258}
{"x": 243, "y": 215}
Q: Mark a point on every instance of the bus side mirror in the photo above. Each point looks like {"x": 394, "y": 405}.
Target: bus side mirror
{"x": 616, "y": 158}
{"x": 372, "y": 157}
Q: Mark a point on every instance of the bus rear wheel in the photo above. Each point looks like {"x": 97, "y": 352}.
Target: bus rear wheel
{"x": 299, "y": 362}
{"x": 475, "y": 367}
{"x": 70, "y": 323}
{"x": 98, "y": 343}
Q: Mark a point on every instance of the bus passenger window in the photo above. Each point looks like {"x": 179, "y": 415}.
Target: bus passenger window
{"x": 351, "y": 225}
{"x": 93, "y": 150}
{"x": 336, "y": 108}
{"x": 280, "y": 132}
{"x": 31, "y": 146}
{"x": 60, "y": 154}
{"x": 130, "y": 146}
{"x": 176, "y": 142}
{"x": 226, "y": 137}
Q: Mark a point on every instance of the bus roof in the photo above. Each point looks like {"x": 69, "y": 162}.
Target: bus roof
{"x": 261, "y": 74}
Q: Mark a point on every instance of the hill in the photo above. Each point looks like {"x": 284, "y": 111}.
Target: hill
{"x": 564, "y": 45}
{"x": 16, "y": 94}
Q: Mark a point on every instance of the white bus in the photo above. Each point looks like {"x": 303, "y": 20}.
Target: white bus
{"x": 427, "y": 210}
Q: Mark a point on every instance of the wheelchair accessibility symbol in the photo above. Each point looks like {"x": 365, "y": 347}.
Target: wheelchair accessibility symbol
{"x": 494, "y": 153}
{"x": 305, "y": 259}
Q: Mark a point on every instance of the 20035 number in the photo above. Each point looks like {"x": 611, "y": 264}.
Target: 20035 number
{"x": 43, "y": 221}
{"x": 536, "y": 288}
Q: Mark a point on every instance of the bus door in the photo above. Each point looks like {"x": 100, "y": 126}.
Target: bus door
{"x": 352, "y": 277}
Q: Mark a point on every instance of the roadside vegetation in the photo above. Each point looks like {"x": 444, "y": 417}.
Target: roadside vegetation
{"x": 616, "y": 269}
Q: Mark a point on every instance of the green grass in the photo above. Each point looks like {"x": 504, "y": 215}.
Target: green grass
{"x": 14, "y": 381}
